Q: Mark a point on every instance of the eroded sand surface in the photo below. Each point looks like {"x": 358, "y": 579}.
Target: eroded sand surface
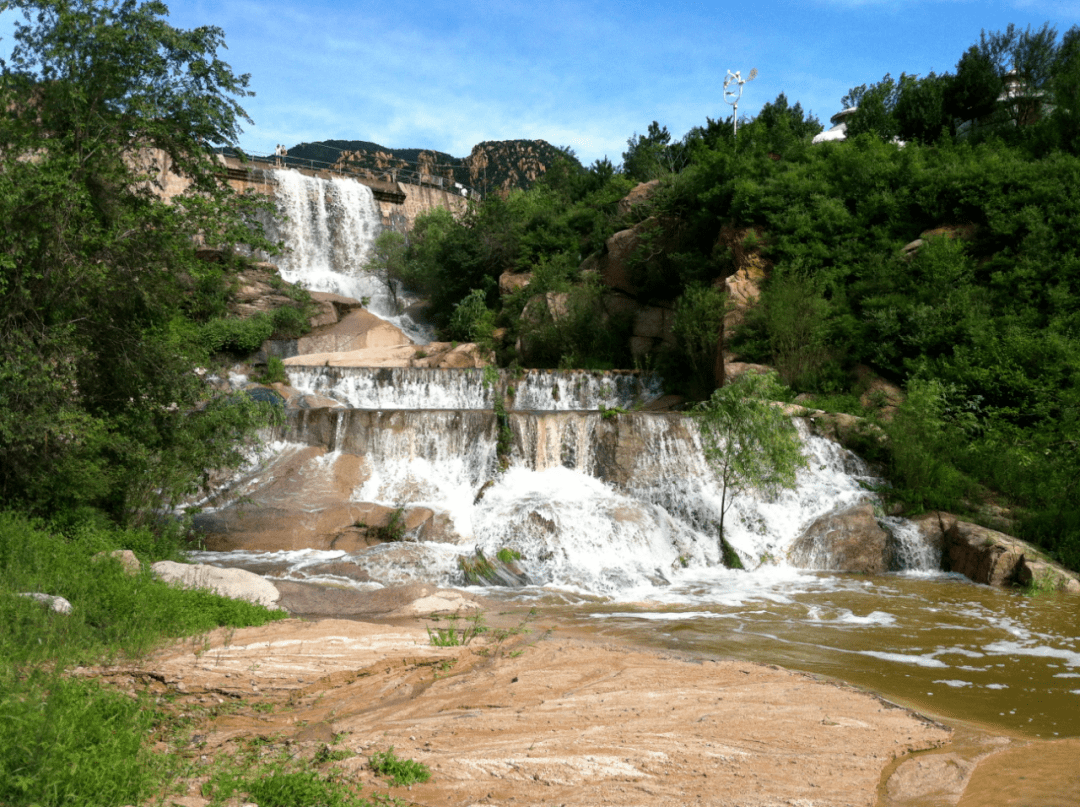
{"x": 542, "y": 719}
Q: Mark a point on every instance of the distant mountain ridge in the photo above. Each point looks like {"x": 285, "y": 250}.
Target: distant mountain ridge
{"x": 493, "y": 166}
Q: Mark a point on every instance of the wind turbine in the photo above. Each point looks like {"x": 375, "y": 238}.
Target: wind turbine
{"x": 733, "y": 94}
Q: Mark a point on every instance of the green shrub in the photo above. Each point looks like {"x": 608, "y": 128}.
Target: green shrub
{"x": 280, "y": 787}
{"x": 274, "y": 372}
{"x": 241, "y": 336}
{"x": 289, "y": 322}
{"x": 697, "y": 328}
{"x": 399, "y": 771}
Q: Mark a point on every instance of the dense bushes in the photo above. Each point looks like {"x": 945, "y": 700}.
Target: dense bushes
{"x": 981, "y": 323}
{"x": 545, "y": 231}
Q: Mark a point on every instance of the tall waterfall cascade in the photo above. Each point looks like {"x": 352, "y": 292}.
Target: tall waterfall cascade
{"x": 562, "y": 471}
{"x": 328, "y": 227}
{"x": 575, "y": 497}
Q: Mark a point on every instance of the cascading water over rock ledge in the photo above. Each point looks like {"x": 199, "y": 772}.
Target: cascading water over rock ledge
{"x": 421, "y": 388}
{"x": 328, "y": 227}
{"x": 594, "y": 503}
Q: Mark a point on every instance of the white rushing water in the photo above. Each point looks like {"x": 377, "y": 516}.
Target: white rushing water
{"x": 423, "y": 388}
{"x": 610, "y": 506}
{"x": 328, "y": 227}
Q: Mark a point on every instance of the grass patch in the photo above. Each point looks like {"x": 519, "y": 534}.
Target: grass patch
{"x": 74, "y": 742}
{"x": 280, "y": 786}
{"x": 398, "y": 771}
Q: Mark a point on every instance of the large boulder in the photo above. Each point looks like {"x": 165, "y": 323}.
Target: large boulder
{"x": 509, "y": 282}
{"x": 236, "y": 584}
{"x": 849, "y": 540}
{"x": 331, "y": 308}
{"x": 749, "y": 269}
{"x": 356, "y": 330}
{"x": 984, "y": 555}
{"x": 613, "y": 265}
{"x": 878, "y": 393}
{"x": 652, "y": 328}
{"x": 125, "y": 557}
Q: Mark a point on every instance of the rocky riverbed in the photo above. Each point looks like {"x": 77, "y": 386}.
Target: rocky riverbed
{"x": 548, "y": 716}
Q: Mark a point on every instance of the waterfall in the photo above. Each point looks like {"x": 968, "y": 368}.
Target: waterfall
{"x": 422, "y": 388}
{"x": 328, "y": 227}
{"x": 594, "y": 503}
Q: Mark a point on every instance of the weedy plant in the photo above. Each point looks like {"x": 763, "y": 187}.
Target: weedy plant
{"x": 453, "y": 635}
{"x": 398, "y": 771}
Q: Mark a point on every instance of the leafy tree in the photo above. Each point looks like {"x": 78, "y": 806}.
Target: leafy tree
{"x": 875, "y": 109}
{"x": 974, "y": 92}
{"x": 698, "y": 330}
{"x": 653, "y": 155}
{"x": 99, "y": 278}
{"x": 749, "y": 443}
{"x": 920, "y": 108}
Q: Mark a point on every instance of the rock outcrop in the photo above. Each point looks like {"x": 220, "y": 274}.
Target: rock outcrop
{"x": 521, "y": 721}
{"x": 993, "y": 558}
{"x": 442, "y": 355}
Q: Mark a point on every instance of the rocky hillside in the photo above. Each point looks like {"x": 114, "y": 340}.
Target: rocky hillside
{"x": 492, "y": 166}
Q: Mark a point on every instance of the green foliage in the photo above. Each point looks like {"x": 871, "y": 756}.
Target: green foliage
{"x": 71, "y": 742}
{"x": 924, "y": 436}
{"x": 749, "y": 443}
{"x": 698, "y": 328}
{"x": 544, "y": 231}
{"x": 453, "y": 635}
{"x": 236, "y": 336}
{"x": 388, "y": 262}
{"x": 472, "y": 320}
{"x": 507, "y": 555}
{"x": 875, "y": 109}
{"x": 274, "y": 372}
{"x": 653, "y": 155}
{"x": 112, "y": 611}
{"x": 391, "y": 532}
{"x": 99, "y": 273}
{"x": 399, "y": 771}
{"x": 278, "y": 785}
{"x": 610, "y": 413}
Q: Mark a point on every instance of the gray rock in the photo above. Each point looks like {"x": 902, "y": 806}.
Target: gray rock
{"x": 236, "y": 584}
{"x": 57, "y": 604}
{"x": 125, "y": 557}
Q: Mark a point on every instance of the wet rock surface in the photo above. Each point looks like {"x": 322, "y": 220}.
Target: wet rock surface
{"x": 563, "y": 721}
{"x": 849, "y": 540}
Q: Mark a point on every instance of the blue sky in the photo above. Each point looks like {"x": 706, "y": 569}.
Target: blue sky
{"x": 587, "y": 74}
